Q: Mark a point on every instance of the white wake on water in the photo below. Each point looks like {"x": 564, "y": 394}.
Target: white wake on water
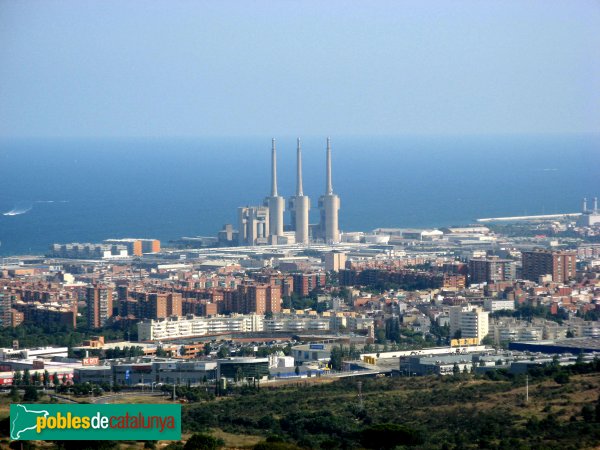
{"x": 25, "y": 207}
{"x": 18, "y": 210}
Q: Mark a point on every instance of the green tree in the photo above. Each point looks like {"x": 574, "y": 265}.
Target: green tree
{"x": 335, "y": 360}
{"x": 202, "y": 441}
{"x": 277, "y": 445}
{"x": 17, "y": 378}
{"x": 390, "y": 435}
{"x": 380, "y": 335}
{"x": 455, "y": 369}
{"x": 174, "y": 446}
{"x": 31, "y": 394}
{"x": 14, "y": 394}
{"x": 488, "y": 340}
{"x": 562, "y": 377}
{"x": 588, "y": 414}
{"x": 46, "y": 378}
{"x": 207, "y": 349}
{"x": 239, "y": 374}
{"x": 392, "y": 329}
{"x": 26, "y": 377}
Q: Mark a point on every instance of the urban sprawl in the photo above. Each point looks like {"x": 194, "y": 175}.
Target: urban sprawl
{"x": 266, "y": 301}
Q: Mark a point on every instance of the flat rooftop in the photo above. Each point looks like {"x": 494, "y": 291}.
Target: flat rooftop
{"x": 585, "y": 344}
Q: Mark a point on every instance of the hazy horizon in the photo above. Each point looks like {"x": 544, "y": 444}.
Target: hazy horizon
{"x": 216, "y": 69}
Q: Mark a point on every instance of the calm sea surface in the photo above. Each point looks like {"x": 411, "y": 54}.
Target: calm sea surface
{"x": 90, "y": 190}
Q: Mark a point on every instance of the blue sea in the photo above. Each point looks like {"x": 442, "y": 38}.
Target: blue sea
{"x": 88, "y": 190}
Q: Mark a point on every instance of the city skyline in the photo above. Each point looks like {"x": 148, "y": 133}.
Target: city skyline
{"x": 168, "y": 242}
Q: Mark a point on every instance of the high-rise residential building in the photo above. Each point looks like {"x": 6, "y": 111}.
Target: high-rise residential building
{"x": 472, "y": 322}
{"x": 491, "y": 270}
{"x": 334, "y": 261}
{"x": 157, "y": 305}
{"x": 305, "y": 283}
{"x": 300, "y": 204}
{"x": 99, "y": 305}
{"x": 329, "y": 206}
{"x": 253, "y": 222}
{"x": 560, "y": 264}
{"x": 256, "y": 298}
{"x": 5, "y": 308}
{"x": 163, "y": 305}
{"x": 282, "y": 281}
{"x": 174, "y": 304}
{"x": 275, "y": 203}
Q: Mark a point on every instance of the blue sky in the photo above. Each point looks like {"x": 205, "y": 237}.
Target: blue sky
{"x": 231, "y": 68}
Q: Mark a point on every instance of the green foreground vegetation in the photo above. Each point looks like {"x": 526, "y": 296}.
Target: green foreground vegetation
{"x": 462, "y": 411}
{"x": 456, "y": 412}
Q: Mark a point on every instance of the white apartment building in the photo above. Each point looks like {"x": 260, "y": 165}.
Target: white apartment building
{"x": 472, "y": 322}
{"x": 191, "y": 326}
{"x": 493, "y": 305}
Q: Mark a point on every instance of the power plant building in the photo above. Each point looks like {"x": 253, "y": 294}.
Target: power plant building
{"x": 589, "y": 217}
{"x": 253, "y": 222}
{"x": 264, "y": 225}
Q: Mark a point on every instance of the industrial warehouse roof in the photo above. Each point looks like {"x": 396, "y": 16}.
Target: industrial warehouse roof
{"x": 575, "y": 344}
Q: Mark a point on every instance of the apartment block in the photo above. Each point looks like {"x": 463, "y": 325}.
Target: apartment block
{"x": 491, "y": 270}
{"x": 561, "y": 265}
{"x": 99, "y": 301}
